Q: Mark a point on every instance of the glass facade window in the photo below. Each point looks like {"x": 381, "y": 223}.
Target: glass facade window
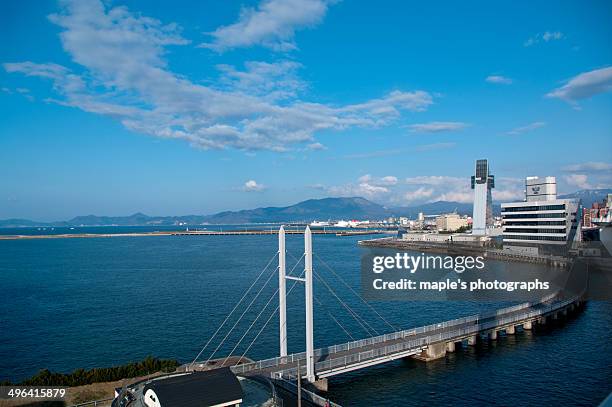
{"x": 482, "y": 171}
{"x": 535, "y": 216}
{"x": 534, "y": 223}
{"x": 533, "y": 208}
{"x": 541, "y": 238}
{"x": 525, "y": 230}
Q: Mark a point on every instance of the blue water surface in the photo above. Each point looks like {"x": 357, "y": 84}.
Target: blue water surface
{"x": 84, "y": 303}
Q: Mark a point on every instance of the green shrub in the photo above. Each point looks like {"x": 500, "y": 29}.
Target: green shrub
{"x": 105, "y": 374}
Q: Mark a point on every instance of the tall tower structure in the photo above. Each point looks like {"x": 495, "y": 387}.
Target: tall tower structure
{"x": 282, "y": 293}
{"x": 482, "y": 184}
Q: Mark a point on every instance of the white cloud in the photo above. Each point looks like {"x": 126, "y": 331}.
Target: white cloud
{"x": 422, "y": 189}
{"x": 272, "y": 81}
{"x": 589, "y": 166}
{"x": 436, "y": 127}
{"x": 371, "y": 190}
{"x": 363, "y": 189}
{"x": 549, "y": 36}
{"x": 508, "y": 189}
{"x": 124, "y": 75}
{"x": 388, "y": 180}
{"x": 443, "y": 188}
{"x": 508, "y": 195}
{"x": 524, "y": 129}
{"x": 271, "y": 24}
{"x": 584, "y": 86}
{"x": 456, "y": 196}
{"x": 498, "y": 79}
{"x": 545, "y": 37}
{"x": 366, "y": 186}
{"x": 578, "y": 180}
{"x": 316, "y": 146}
{"x": 418, "y": 194}
{"x": 253, "y": 186}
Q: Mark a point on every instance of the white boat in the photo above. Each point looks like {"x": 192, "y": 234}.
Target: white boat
{"x": 319, "y": 225}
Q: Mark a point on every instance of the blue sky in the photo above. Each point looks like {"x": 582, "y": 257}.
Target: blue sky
{"x": 195, "y": 107}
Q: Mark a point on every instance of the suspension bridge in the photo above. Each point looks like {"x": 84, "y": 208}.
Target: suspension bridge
{"x": 314, "y": 366}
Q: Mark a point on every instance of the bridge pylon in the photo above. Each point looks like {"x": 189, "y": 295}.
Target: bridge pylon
{"x": 282, "y": 292}
{"x": 310, "y": 371}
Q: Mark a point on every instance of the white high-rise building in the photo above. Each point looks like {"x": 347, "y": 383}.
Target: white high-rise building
{"x": 482, "y": 183}
{"x": 541, "y": 219}
{"x": 540, "y": 189}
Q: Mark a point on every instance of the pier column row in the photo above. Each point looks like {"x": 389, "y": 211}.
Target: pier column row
{"x": 439, "y": 350}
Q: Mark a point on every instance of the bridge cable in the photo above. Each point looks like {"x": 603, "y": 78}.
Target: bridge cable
{"x": 348, "y": 308}
{"x": 242, "y": 315}
{"x": 354, "y": 292}
{"x": 234, "y": 309}
{"x": 269, "y": 318}
{"x": 334, "y": 318}
{"x": 257, "y": 318}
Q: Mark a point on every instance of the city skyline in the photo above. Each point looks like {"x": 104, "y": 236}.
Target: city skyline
{"x": 122, "y": 107}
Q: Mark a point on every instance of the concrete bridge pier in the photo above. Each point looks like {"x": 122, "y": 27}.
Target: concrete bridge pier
{"x": 321, "y": 384}
{"x": 432, "y": 352}
{"x": 450, "y": 347}
{"x": 510, "y": 330}
{"x": 472, "y": 340}
{"x": 493, "y": 335}
{"x": 528, "y": 326}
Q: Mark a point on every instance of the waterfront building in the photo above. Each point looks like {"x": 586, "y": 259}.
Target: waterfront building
{"x": 450, "y": 222}
{"x": 437, "y": 238}
{"x": 540, "y": 189}
{"x": 213, "y": 388}
{"x": 542, "y": 221}
{"x": 482, "y": 184}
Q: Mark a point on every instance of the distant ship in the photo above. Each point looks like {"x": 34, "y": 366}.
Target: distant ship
{"x": 347, "y": 224}
{"x": 319, "y": 225}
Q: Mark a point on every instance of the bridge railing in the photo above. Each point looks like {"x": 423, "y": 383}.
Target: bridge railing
{"x": 312, "y": 397}
{"x": 276, "y": 361}
{"x": 414, "y": 346}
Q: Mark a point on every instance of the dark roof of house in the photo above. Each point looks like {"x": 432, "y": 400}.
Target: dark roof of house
{"x": 207, "y": 388}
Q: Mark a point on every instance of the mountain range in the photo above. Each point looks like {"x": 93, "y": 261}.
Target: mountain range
{"x": 306, "y": 211}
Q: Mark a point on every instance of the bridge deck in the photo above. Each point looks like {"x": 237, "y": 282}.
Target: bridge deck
{"x": 371, "y": 351}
